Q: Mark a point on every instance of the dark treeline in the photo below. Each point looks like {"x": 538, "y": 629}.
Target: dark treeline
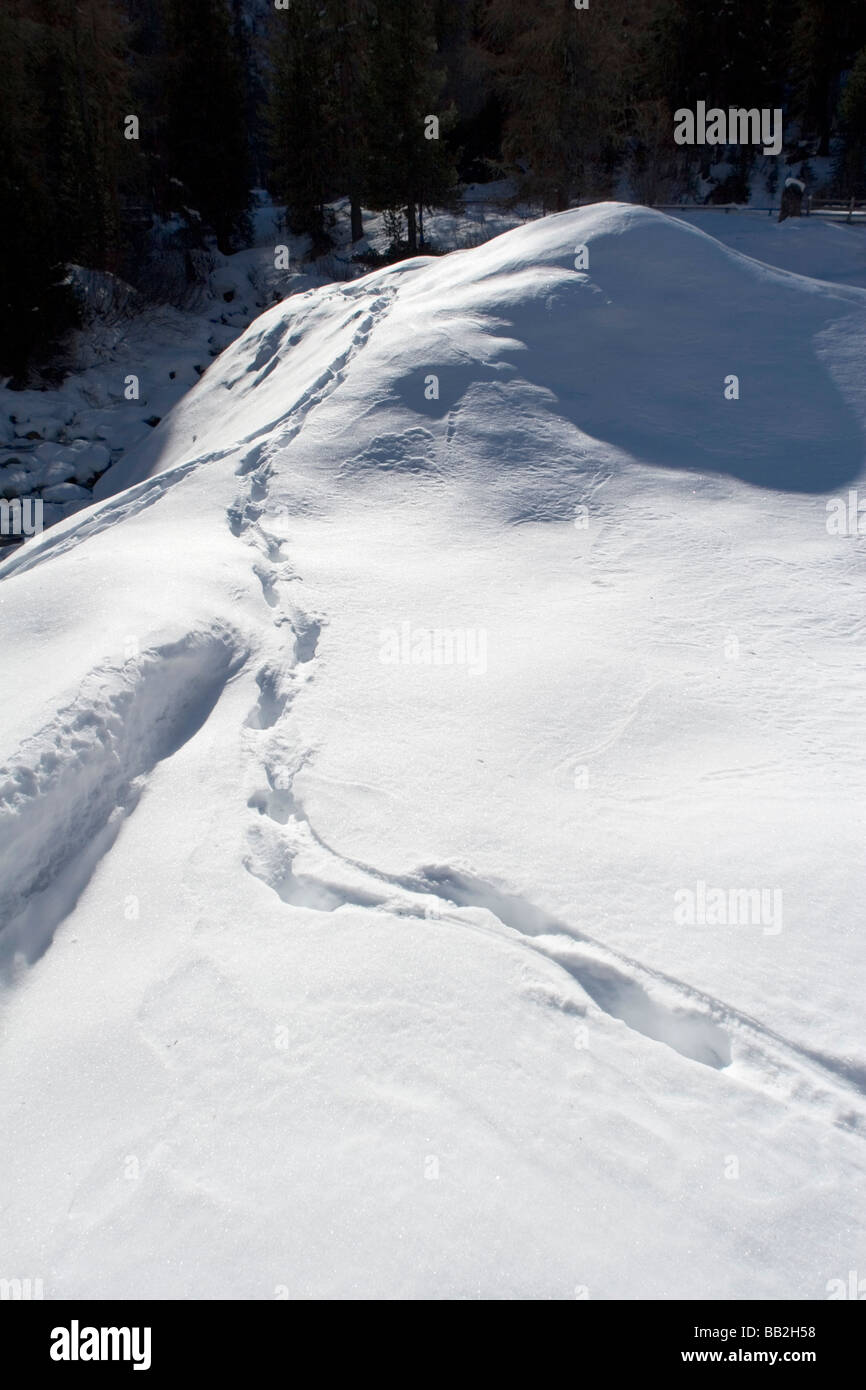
{"x": 317, "y": 99}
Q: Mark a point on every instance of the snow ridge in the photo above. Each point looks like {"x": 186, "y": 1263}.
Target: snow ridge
{"x": 65, "y": 794}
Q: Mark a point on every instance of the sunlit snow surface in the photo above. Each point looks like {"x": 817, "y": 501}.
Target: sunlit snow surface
{"x": 361, "y": 749}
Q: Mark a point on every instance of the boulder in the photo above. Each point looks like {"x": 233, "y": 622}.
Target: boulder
{"x": 89, "y": 462}
{"x": 67, "y": 492}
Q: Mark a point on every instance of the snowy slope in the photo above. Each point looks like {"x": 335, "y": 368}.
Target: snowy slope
{"x": 361, "y": 748}
{"x": 824, "y": 250}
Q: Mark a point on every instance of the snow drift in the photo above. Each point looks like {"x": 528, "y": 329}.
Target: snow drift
{"x": 337, "y": 964}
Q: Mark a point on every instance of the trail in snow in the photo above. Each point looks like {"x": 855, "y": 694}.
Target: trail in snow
{"x": 287, "y": 854}
{"x": 308, "y": 495}
{"x": 64, "y": 796}
{"x": 291, "y": 858}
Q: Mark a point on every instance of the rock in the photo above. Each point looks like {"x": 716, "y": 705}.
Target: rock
{"x": 61, "y": 471}
{"x": 37, "y": 473}
{"x": 49, "y": 453}
{"x": 91, "y": 462}
{"x": 14, "y": 482}
{"x": 41, "y": 427}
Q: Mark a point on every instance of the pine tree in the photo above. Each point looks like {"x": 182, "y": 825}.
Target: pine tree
{"x": 348, "y": 28}
{"x": 206, "y": 143}
{"x": 851, "y": 167}
{"x": 84, "y": 95}
{"x": 825, "y": 40}
{"x": 302, "y": 153}
{"x": 475, "y": 138}
{"x": 61, "y": 108}
{"x": 410, "y": 166}
{"x": 31, "y": 301}
{"x": 560, "y": 71}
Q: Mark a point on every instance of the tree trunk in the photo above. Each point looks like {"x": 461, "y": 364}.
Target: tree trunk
{"x": 792, "y": 203}
{"x": 357, "y": 219}
{"x": 411, "y": 227}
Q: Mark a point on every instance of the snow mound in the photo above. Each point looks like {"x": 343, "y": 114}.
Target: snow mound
{"x": 532, "y": 356}
{"x": 431, "y": 842}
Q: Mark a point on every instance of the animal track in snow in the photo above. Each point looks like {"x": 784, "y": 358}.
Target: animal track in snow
{"x": 657, "y": 1006}
{"x": 286, "y": 853}
{"x": 670, "y": 1011}
{"x": 307, "y": 634}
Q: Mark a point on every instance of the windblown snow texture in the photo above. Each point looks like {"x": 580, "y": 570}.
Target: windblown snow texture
{"x": 336, "y": 968}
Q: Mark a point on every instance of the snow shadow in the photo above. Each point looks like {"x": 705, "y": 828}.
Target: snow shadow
{"x": 637, "y": 352}
{"x": 615, "y": 991}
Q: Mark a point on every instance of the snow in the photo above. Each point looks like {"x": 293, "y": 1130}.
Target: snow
{"x": 166, "y": 349}
{"x": 808, "y": 246}
{"x": 363, "y": 744}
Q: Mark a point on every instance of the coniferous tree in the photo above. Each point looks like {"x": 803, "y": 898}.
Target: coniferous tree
{"x": 410, "y": 165}
{"x": 475, "y": 137}
{"x": 84, "y": 94}
{"x": 302, "y": 154}
{"x": 813, "y": 62}
{"x": 726, "y": 53}
{"x": 825, "y": 40}
{"x": 560, "y": 71}
{"x": 348, "y": 28}
{"x": 851, "y": 168}
{"x": 32, "y": 302}
{"x": 206, "y": 137}
{"x": 61, "y": 110}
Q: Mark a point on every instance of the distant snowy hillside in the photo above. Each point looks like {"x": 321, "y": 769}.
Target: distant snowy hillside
{"x": 431, "y": 818}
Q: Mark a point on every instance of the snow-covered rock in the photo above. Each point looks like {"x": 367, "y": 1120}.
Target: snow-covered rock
{"x": 51, "y": 453}
{"x": 41, "y": 426}
{"x": 66, "y": 492}
{"x": 62, "y": 470}
{"x": 90, "y": 461}
{"x": 14, "y": 480}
